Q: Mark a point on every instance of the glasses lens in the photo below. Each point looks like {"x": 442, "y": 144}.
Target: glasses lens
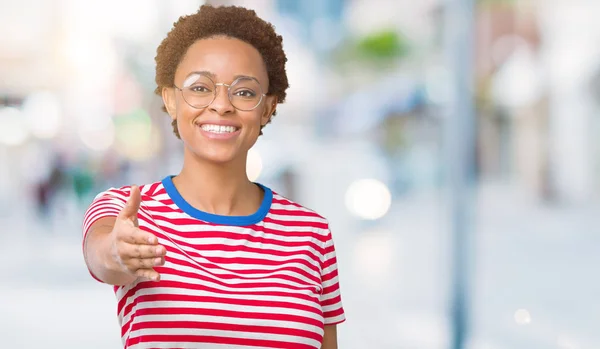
{"x": 245, "y": 94}
{"x": 198, "y": 90}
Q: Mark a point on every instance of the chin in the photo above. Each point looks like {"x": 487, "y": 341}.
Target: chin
{"x": 221, "y": 156}
{"x": 217, "y": 159}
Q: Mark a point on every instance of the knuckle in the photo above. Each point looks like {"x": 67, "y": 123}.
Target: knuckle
{"x": 150, "y": 251}
{"x": 124, "y": 250}
{"x": 146, "y": 263}
{"x": 130, "y": 266}
{"x": 136, "y": 234}
{"x": 140, "y": 263}
{"x": 121, "y": 250}
{"x": 131, "y": 255}
{"x": 142, "y": 251}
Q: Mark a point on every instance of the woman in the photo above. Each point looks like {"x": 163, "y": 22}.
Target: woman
{"x": 207, "y": 258}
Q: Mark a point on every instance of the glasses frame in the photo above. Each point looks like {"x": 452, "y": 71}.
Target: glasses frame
{"x": 216, "y": 91}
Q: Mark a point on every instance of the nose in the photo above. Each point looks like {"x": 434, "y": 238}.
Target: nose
{"x": 221, "y": 104}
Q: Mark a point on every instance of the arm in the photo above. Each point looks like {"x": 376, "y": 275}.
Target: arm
{"x": 331, "y": 301}
{"x": 330, "y": 337}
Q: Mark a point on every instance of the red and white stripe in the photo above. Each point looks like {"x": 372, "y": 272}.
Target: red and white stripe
{"x": 273, "y": 284}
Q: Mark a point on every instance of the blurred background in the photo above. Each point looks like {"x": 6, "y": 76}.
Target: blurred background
{"x": 368, "y": 138}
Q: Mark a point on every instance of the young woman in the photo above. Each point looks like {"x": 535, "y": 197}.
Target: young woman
{"x": 207, "y": 258}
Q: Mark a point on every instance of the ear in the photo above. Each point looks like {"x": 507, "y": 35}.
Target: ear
{"x": 168, "y": 96}
{"x": 270, "y": 107}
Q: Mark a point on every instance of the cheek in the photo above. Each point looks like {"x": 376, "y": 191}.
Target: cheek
{"x": 185, "y": 126}
{"x": 251, "y": 119}
{"x": 184, "y": 111}
{"x": 186, "y": 116}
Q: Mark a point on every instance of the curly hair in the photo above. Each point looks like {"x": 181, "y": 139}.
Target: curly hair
{"x": 230, "y": 21}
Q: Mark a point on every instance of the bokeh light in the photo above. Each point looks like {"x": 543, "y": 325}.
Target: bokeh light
{"x": 135, "y": 138}
{"x": 97, "y": 136}
{"x": 368, "y": 199}
{"x": 254, "y": 164}
{"x": 13, "y": 129}
{"x": 522, "y": 317}
{"x": 43, "y": 114}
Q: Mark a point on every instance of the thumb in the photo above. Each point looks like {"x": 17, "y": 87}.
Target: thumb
{"x": 133, "y": 204}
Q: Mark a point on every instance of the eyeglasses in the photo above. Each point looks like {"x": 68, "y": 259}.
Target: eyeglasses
{"x": 199, "y": 91}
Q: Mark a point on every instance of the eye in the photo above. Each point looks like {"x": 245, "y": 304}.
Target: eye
{"x": 245, "y": 93}
{"x": 199, "y": 89}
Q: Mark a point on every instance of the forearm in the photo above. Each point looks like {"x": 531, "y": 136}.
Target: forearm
{"x": 330, "y": 337}
{"x": 98, "y": 257}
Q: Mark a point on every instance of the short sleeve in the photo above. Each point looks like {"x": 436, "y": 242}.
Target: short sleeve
{"x": 106, "y": 204}
{"x": 331, "y": 300}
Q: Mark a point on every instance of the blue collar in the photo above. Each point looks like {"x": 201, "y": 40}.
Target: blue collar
{"x": 214, "y": 218}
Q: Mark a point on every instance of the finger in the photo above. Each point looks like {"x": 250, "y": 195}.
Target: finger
{"x": 136, "y": 236}
{"x": 132, "y": 205}
{"x": 149, "y": 274}
{"x": 145, "y": 263}
{"x": 136, "y": 251}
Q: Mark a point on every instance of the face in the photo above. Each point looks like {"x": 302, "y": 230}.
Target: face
{"x": 219, "y": 132}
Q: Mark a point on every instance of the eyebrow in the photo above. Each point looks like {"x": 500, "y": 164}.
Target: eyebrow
{"x": 214, "y": 77}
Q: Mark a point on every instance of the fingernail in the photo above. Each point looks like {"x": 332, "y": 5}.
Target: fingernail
{"x": 151, "y": 240}
{"x": 158, "y": 261}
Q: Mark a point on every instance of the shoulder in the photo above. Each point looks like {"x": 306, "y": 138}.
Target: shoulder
{"x": 286, "y": 209}
{"x": 281, "y": 202}
{"x": 147, "y": 191}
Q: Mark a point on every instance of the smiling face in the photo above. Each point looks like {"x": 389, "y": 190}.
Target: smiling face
{"x": 219, "y": 132}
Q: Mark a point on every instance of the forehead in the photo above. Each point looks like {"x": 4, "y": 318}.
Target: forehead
{"x": 225, "y": 58}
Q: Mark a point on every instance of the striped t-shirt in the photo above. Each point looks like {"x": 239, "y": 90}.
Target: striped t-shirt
{"x": 268, "y": 280}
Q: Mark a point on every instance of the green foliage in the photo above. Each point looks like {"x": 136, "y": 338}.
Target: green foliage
{"x": 378, "y": 50}
{"x": 386, "y": 44}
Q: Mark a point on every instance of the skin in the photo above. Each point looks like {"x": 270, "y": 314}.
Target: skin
{"x": 213, "y": 178}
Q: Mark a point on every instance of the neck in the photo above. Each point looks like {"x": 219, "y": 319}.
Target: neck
{"x": 222, "y": 189}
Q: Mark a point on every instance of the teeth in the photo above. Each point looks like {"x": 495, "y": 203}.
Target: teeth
{"x": 218, "y": 128}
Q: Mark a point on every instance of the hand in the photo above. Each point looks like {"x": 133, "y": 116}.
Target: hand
{"x": 135, "y": 251}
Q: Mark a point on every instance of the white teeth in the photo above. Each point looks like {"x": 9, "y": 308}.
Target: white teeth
{"x": 218, "y": 128}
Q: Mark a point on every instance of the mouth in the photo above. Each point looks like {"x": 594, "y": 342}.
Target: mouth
{"x": 218, "y": 129}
